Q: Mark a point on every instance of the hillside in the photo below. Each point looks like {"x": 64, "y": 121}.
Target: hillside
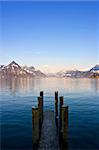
{"x": 15, "y": 70}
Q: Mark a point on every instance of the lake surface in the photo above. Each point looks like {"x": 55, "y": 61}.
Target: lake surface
{"x": 17, "y": 96}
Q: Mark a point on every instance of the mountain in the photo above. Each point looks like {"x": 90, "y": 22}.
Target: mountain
{"x": 15, "y": 70}
{"x": 95, "y": 69}
{"x": 69, "y": 73}
{"x": 33, "y": 71}
{"x": 61, "y": 73}
{"x": 92, "y": 73}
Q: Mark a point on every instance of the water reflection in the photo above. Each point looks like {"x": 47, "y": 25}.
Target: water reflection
{"x": 16, "y": 110}
{"x": 95, "y": 85}
{"x": 16, "y": 84}
{"x": 82, "y": 84}
{"x": 49, "y": 85}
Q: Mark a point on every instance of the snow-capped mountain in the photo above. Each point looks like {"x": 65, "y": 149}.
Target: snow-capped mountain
{"x": 95, "y": 69}
{"x": 30, "y": 70}
{"x": 93, "y": 72}
{"x": 33, "y": 71}
{"x": 68, "y": 73}
{"x": 15, "y": 70}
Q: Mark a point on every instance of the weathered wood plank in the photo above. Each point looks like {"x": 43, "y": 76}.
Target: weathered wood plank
{"x": 49, "y": 137}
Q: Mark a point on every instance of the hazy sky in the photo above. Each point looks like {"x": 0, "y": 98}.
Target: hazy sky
{"x": 50, "y": 35}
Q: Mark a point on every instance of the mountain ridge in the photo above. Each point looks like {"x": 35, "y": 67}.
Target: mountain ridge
{"x": 93, "y": 72}
{"x": 15, "y": 70}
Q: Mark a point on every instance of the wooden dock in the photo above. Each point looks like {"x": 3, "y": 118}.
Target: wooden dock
{"x": 49, "y": 128}
{"x": 49, "y": 136}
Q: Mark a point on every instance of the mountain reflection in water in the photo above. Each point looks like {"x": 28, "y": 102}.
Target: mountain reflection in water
{"x": 18, "y": 95}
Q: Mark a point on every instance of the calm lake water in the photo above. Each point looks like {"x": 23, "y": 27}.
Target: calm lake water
{"x": 17, "y": 96}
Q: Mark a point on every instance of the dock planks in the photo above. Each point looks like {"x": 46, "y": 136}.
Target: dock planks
{"x": 49, "y": 137}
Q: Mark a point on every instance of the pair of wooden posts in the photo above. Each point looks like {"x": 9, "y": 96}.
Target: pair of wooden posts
{"x": 61, "y": 118}
{"x": 37, "y": 120}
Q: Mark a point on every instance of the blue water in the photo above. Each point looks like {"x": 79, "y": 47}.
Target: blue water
{"x": 17, "y": 96}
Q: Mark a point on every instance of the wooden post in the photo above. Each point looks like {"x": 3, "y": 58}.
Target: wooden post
{"x": 61, "y": 103}
{"x": 64, "y": 123}
{"x": 56, "y": 103}
{"x": 41, "y": 95}
{"x": 35, "y": 126}
{"x": 56, "y": 108}
{"x": 40, "y": 101}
